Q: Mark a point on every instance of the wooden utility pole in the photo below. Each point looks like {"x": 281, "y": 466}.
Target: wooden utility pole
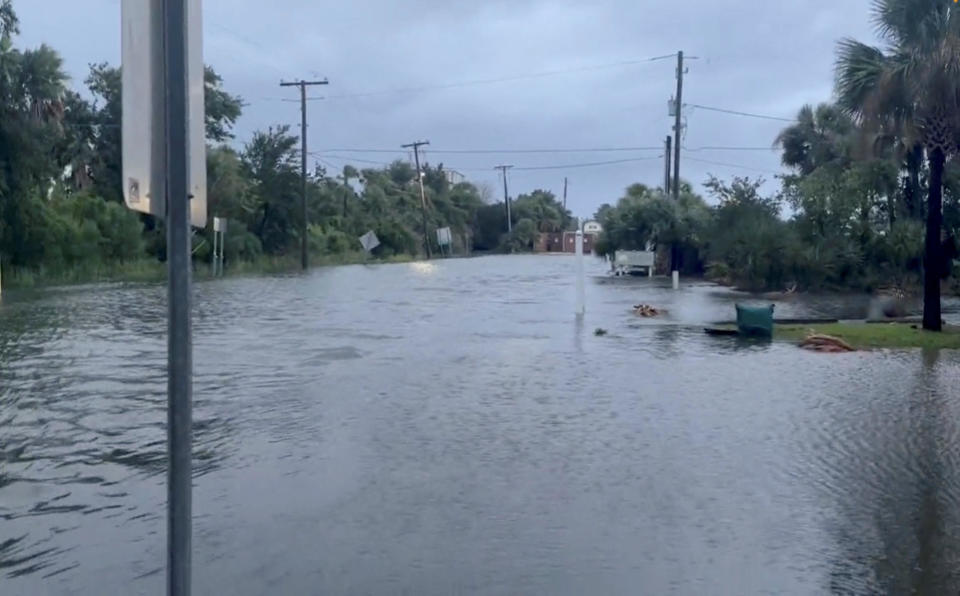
{"x": 678, "y": 113}
{"x": 303, "y": 160}
{"x": 506, "y": 197}
{"x": 564, "y": 192}
{"x": 666, "y": 172}
{"x": 677, "y": 127}
{"x": 423, "y": 197}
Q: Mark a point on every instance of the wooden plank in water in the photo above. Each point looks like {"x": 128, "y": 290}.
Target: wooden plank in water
{"x": 721, "y": 331}
{"x": 787, "y": 322}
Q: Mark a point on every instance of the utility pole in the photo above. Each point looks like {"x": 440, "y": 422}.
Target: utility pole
{"x": 506, "y": 197}
{"x": 678, "y": 112}
{"x": 676, "y": 127}
{"x": 666, "y": 173}
{"x": 303, "y": 159}
{"x": 423, "y": 197}
{"x": 564, "y": 192}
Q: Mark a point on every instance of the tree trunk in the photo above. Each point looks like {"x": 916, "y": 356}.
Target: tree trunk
{"x": 911, "y": 198}
{"x": 932, "y": 248}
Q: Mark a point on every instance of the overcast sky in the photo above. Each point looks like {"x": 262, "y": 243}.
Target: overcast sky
{"x": 757, "y": 56}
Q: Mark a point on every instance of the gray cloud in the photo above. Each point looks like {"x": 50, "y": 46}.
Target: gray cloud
{"x": 754, "y": 56}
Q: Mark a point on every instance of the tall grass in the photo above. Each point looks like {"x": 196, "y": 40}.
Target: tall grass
{"x": 149, "y": 270}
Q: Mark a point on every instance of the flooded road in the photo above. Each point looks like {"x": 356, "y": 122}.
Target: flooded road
{"x": 450, "y": 428}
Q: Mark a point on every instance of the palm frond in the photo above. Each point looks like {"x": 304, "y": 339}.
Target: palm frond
{"x": 858, "y": 70}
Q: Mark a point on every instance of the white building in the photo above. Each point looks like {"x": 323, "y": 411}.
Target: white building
{"x": 454, "y": 177}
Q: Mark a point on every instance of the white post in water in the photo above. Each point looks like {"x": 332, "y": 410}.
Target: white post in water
{"x": 581, "y": 291}
{"x": 676, "y": 280}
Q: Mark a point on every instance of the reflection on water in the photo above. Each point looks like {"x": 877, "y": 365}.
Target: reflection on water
{"x": 451, "y": 427}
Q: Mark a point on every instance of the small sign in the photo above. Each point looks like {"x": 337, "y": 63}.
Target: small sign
{"x": 220, "y": 224}
{"x": 443, "y": 236}
{"x": 142, "y": 130}
{"x": 369, "y": 241}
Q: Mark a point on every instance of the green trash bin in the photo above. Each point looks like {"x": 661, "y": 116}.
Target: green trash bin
{"x": 755, "y": 321}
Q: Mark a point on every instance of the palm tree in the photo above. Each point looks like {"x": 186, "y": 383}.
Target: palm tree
{"x": 913, "y": 88}
{"x": 821, "y": 136}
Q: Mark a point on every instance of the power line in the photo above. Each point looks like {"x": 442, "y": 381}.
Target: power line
{"x": 589, "y": 164}
{"x": 525, "y": 168}
{"x": 727, "y": 148}
{"x": 505, "y": 79}
{"x": 287, "y": 99}
{"x": 349, "y": 159}
{"x": 498, "y": 151}
{"x": 732, "y": 165}
{"x": 738, "y": 113}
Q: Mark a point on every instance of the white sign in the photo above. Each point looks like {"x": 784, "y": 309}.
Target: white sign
{"x": 443, "y": 236}
{"x": 220, "y": 224}
{"x": 369, "y": 241}
{"x": 592, "y": 227}
{"x": 142, "y": 132}
{"x": 634, "y": 258}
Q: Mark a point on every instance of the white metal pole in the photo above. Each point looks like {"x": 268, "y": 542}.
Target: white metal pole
{"x": 213, "y": 259}
{"x": 581, "y": 290}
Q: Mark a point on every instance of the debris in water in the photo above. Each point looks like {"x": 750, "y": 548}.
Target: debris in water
{"x": 819, "y": 342}
{"x": 599, "y": 331}
{"x": 645, "y": 310}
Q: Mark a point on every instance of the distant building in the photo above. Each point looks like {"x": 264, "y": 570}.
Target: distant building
{"x": 454, "y": 177}
{"x": 564, "y": 242}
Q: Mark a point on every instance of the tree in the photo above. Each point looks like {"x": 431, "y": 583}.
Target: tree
{"x": 646, "y": 216}
{"x": 221, "y": 108}
{"x": 822, "y": 136}
{"x": 914, "y": 89}
{"x": 32, "y": 88}
{"x": 272, "y": 162}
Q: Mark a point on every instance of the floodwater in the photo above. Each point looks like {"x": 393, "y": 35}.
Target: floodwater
{"x": 451, "y": 428}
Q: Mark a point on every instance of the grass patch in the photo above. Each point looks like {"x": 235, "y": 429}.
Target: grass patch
{"x": 876, "y": 335}
{"x": 135, "y": 271}
{"x": 150, "y": 270}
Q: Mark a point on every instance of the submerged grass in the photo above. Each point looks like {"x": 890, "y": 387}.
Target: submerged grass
{"x": 149, "y": 270}
{"x": 876, "y": 335}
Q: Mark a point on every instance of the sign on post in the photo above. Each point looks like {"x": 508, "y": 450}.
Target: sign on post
{"x": 369, "y": 241}
{"x": 443, "y": 236}
{"x": 142, "y": 105}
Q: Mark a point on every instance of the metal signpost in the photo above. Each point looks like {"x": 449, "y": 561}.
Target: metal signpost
{"x": 581, "y": 292}
{"x": 164, "y": 174}
{"x": 444, "y": 240}
{"x": 219, "y": 233}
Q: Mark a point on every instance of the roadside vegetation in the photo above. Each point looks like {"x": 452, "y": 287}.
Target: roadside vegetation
{"x": 875, "y": 335}
{"x": 872, "y": 197}
{"x": 62, "y": 217}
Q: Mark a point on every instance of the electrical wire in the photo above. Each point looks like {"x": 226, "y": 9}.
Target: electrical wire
{"x": 504, "y": 79}
{"x": 727, "y": 148}
{"x": 737, "y": 112}
{"x": 498, "y": 151}
{"x": 517, "y": 168}
{"x": 587, "y": 164}
{"x": 731, "y": 165}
